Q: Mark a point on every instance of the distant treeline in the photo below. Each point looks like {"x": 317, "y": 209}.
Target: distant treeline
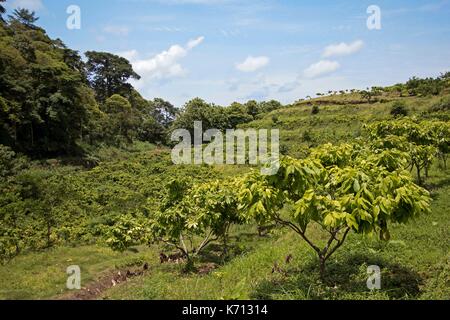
{"x": 53, "y": 103}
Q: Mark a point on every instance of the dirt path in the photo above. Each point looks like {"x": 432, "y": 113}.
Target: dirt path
{"x": 95, "y": 289}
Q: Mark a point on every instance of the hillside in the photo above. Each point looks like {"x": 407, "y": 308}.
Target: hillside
{"x": 93, "y": 204}
{"x": 414, "y": 262}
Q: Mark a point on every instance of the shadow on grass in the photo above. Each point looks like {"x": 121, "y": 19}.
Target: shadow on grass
{"x": 346, "y": 279}
{"x": 435, "y": 185}
{"x": 214, "y": 253}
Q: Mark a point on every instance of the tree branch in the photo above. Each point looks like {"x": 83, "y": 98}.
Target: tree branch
{"x": 340, "y": 243}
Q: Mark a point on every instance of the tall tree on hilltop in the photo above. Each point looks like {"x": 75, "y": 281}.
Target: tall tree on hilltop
{"x": 108, "y": 74}
{"x": 24, "y": 16}
{"x": 2, "y": 10}
{"x": 164, "y": 112}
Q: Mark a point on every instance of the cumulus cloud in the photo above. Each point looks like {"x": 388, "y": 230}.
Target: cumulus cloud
{"x": 343, "y": 49}
{"x": 164, "y": 65}
{"x": 34, "y": 5}
{"x": 252, "y": 64}
{"x": 195, "y": 42}
{"x": 321, "y": 68}
{"x": 130, "y": 55}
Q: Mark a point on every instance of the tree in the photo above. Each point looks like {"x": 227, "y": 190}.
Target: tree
{"x": 269, "y": 106}
{"x": 24, "y": 16}
{"x": 366, "y": 94}
{"x": 189, "y": 218}
{"x": 252, "y": 107}
{"x": 236, "y": 115}
{"x": 2, "y": 10}
{"x": 341, "y": 189}
{"x": 108, "y": 74}
{"x": 421, "y": 140}
{"x": 164, "y": 112}
{"x": 121, "y": 120}
{"x": 211, "y": 116}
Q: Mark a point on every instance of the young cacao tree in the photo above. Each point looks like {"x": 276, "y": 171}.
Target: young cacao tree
{"x": 340, "y": 188}
{"x": 423, "y": 140}
{"x": 202, "y": 214}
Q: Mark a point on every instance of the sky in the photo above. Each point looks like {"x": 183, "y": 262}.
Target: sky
{"x": 228, "y": 50}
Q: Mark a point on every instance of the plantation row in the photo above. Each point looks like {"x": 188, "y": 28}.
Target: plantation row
{"x": 124, "y": 202}
{"x": 362, "y": 187}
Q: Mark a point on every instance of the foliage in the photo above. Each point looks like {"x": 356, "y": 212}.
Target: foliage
{"x": 370, "y": 94}
{"x": 192, "y": 218}
{"x": 221, "y": 118}
{"x": 54, "y": 104}
{"x": 399, "y": 109}
{"x": 10, "y": 163}
{"x": 44, "y": 101}
{"x": 425, "y": 87}
{"x": 315, "y": 110}
{"x": 422, "y": 140}
{"x": 108, "y": 74}
{"x": 342, "y": 189}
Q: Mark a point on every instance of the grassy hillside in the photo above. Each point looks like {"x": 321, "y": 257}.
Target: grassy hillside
{"x": 415, "y": 262}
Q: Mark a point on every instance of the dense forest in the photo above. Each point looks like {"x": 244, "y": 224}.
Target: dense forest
{"x": 85, "y": 165}
{"x": 54, "y": 103}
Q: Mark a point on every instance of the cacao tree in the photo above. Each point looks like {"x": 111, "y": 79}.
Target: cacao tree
{"x": 339, "y": 188}
{"x": 193, "y": 218}
{"x": 422, "y": 140}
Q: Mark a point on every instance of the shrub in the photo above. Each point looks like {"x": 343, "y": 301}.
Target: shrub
{"x": 10, "y": 162}
{"x": 315, "y": 110}
{"x": 399, "y": 109}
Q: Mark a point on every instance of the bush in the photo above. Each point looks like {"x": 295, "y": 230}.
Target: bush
{"x": 399, "y": 109}
{"x": 10, "y": 162}
{"x": 315, "y": 110}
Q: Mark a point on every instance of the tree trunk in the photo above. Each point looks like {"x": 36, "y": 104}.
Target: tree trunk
{"x": 419, "y": 178}
{"x": 49, "y": 233}
{"x": 322, "y": 262}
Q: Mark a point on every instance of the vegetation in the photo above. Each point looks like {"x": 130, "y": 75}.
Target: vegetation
{"x": 85, "y": 168}
{"x": 399, "y": 109}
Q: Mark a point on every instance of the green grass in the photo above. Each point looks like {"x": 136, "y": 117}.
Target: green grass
{"x": 42, "y": 275}
{"x": 415, "y": 263}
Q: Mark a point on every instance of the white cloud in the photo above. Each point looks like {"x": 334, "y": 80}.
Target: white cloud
{"x": 166, "y": 64}
{"x": 195, "y": 42}
{"x": 129, "y": 55}
{"x": 321, "y": 68}
{"x": 34, "y": 5}
{"x": 343, "y": 49}
{"x": 252, "y": 64}
{"x": 117, "y": 30}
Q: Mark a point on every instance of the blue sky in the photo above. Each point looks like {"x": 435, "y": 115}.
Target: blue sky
{"x": 230, "y": 50}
